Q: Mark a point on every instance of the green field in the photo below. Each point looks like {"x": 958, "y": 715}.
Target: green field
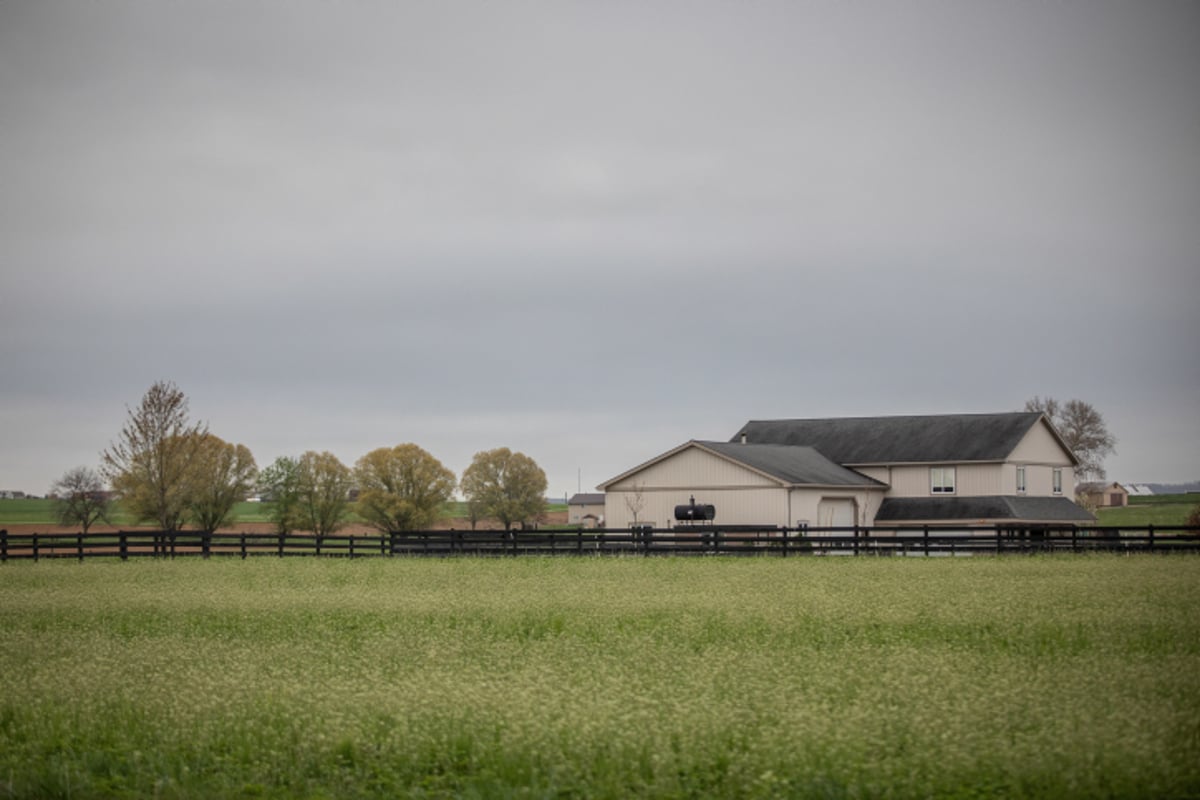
{"x": 620, "y": 677}
{"x": 41, "y": 512}
{"x": 1168, "y": 509}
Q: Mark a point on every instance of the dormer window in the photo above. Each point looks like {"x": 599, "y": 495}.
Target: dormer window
{"x": 941, "y": 480}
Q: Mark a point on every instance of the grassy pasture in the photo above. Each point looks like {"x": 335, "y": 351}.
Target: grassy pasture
{"x": 1009, "y": 677}
{"x": 1169, "y": 509}
{"x": 41, "y": 512}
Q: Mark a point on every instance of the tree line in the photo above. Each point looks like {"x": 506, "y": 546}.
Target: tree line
{"x": 168, "y": 471}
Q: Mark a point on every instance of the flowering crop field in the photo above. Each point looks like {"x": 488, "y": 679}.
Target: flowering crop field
{"x": 590, "y": 677}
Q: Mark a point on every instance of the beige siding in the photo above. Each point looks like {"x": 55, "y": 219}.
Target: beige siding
{"x": 693, "y": 467}
{"x": 1040, "y": 453}
{"x": 971, "y": 480}
{"x": 747, "y": 506}
{"x": 1039, "y": 480}
{"x": 806, "y": 505}
{"x": 881, "y": 474}
{"x": 578, "y": 512}
{"x": 1040, "y": 447}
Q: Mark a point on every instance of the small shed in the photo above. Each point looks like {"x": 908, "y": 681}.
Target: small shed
{"x": 1102, "y": 495}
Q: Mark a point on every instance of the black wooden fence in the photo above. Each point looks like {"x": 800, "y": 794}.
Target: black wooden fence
{"x": 637, "y": 541}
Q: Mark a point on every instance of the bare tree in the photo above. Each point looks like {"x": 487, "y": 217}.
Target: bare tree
{"x": 1082, "y": 429}
{"x": 80, "y": 498}
{"x": 149, "y": 464}
{"x": 635, "y": 501}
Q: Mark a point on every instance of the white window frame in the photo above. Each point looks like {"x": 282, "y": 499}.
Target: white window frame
{"x": 942, "y": 480}
{"x": 1057, "y": 480}
{"x": 1022, "y": 483}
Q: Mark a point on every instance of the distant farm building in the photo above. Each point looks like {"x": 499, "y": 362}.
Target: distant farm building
{"x": 1103, "y": 495}
{"x": 586, "y": 510}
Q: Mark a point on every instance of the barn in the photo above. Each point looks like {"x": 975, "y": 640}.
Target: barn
{"x": 951, "y": 469}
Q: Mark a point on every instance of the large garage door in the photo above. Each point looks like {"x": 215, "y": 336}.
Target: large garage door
{"x": 836, "y": 512}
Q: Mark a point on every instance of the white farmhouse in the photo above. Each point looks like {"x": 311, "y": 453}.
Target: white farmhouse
{"x": 957, "y": 469}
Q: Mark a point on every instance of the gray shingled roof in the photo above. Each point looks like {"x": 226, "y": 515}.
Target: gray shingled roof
{"x": 586, "y": 499}
{"x": 792, "y": 465}
{"x": 899, "y": 440}
{"x": 995, "y": 507}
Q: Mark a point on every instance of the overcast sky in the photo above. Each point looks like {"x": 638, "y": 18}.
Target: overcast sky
{"x": 592, "y": 231}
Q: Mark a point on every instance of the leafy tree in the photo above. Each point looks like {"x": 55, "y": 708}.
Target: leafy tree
{"x": 149, "y": 464}
{"x": 508, "y": 486}
{"x": 401, "y": 488}
{"x": 279, "y": 486}
{"x": 475, "y": 511}
{"x": 222, "y": 474}
{"x": 1083, "y": 430}
{"x": 80, "y": 499}
{"x": 322, "y": 492}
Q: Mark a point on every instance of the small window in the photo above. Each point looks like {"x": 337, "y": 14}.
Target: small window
{"x": 941, "y": 480}
{"x": 1057, "y": 480}
{"x": 1020, "y": 480}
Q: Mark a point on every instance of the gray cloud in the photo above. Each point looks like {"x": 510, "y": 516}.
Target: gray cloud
{"x": 592, "y": 232}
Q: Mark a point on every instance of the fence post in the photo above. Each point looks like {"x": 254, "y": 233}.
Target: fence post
{"x": 123, "y": 544}
{"x": 243, "y": 543}
{"x": 925, "y": 536}
{"x": 785, "y": 542}
{"x": 35, "y": 547}
{"x": 1150, "y": 532}
{"x": 579, "y": 541}
{"x": 4, "y": 544}
{"x": 79, "y": 544}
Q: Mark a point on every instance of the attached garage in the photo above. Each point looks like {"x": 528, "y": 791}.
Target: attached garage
{"x": 749, "y": 484}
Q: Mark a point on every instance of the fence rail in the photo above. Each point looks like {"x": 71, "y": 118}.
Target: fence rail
{"x": 637, "y": 541}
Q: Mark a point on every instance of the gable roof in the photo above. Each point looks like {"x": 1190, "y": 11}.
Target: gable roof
{"x": 586, "y": 499}
{"x": 790, "y": 464}
{"x": 786, "y": 464}
{"x": 902, "y": 440}
{"x": 992, "y": 507}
